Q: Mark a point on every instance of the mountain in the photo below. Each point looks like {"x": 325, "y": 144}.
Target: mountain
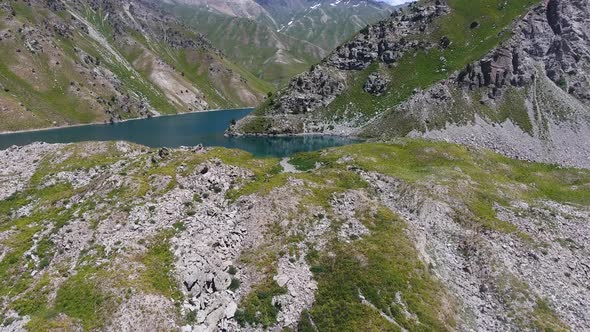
{"x": 405, "y": 236}
{"x": 325, "y": 23}
{"x": 277, "y": 39}
{"x": 84, "y": 61}
{"x": 512, "y": 77}
{"x": 269, "y": 54}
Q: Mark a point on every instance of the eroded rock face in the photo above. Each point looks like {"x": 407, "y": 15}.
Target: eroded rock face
{"x": 310, "y": 91}
{"x": 552, "y": 36}
{"x": 539, "y": 77}
{"x": 384, "y": 42}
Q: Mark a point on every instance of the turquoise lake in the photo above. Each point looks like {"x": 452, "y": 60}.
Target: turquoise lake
{"x": 206, "y": 128}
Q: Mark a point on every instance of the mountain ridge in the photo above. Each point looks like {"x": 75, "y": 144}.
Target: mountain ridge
{"x": 362, "y": 86}
{"x": 302, "y": 31}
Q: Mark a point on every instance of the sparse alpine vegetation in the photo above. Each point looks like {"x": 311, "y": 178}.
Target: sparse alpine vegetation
{"x": 81, "y": 61}
{"x": 407, "y": 235}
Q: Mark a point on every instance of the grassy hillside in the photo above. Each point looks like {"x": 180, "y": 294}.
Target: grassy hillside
{"x": 329, "y": 26}
{"x": 270, "y": 55}
{"x": 422, "y": 69}
{"x": 426, "y": 49}
{"x": 82, "y": 64}
{"x": 286, "y": 41}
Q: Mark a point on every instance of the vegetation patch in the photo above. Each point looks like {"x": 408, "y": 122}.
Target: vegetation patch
{"x": 257, "y": 124}
{"x": 305, "y": 161}
{"x": 376, "y": 283}
{"x": 159, "y": 267}
{"x": 81, "y": 297}
{"x": 481, "y": 179}
{"x": 257, "y": 308}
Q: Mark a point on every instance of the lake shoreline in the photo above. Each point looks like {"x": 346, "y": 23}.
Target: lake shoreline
{"x": 122, "y": 121}
{"x": 204, "y": 128}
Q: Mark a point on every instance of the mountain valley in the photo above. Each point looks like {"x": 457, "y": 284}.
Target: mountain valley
{"x": 416, "y": 168}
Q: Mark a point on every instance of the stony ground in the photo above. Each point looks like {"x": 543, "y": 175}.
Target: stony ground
{"x": 404, "y": 236}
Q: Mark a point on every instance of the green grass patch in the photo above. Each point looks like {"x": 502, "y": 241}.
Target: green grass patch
{"x": 545, "y": 318}
{"x": 81, "y": 297}
{"x": 305, "y": 161}
{"x": 383, "y": 268}
{"x": 257, "y": 307}
{"x": 256, "y": 124}
{"x": 159, "y": 267}
{"x": 479, "y": 178}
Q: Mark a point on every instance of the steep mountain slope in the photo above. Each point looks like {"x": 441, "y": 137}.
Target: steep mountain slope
{"x": 114, "y": 236}
{"x": 87, "y": 61}
{"x": 277, "y": 39}
{"x": 519, "y": 87}
{"x": 325, "y": 23}
{"x": 237, "y": 8}
{"x": 267, "y": 53}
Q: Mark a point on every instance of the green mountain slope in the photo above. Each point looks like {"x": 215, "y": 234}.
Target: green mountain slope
{"x": 489, "y": 73}
{"x": 270, "y": 55}
{"x": 328, "y": 23}
{"x": 82, "y": 62}
{"x": 276, "y": 39}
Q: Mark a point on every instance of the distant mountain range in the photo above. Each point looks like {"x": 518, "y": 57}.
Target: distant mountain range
{"x": 277, "y": 39}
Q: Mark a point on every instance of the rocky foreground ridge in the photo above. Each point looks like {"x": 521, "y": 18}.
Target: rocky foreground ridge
{"x": 524, "y": 93}
{"x": 120, "y": 237}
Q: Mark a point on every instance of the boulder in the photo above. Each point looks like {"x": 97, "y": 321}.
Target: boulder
{"x": 222, "y": 281}
{"x": 376, "y": 84}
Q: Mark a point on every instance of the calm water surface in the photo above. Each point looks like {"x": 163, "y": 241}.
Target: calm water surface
{"x": 205, "y": 128}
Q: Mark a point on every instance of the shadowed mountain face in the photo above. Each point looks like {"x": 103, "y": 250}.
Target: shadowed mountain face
{"x": 512, "y": 77}
{"x": 92, "y": 61}
{"x": 277, "y": 39}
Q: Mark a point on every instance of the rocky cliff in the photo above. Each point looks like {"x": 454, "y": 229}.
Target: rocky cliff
{"x": 119, "y": 237}
{"x": 515, "y": 81}
{"x": 67, "y": 62}
{"x": 527, "y": 98}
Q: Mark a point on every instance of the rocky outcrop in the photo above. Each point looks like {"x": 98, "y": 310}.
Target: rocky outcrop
{"x": 309, "y": 92}
{"x": 488, "y": 291}
{"x": 539, "y": 76}
{"x": 376, "y": 84}
{"x": 384, "y": 42}
{"x": 552, "y": 36}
